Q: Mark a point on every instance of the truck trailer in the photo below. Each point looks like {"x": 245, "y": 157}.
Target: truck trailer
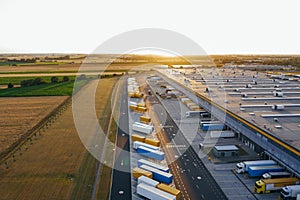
{"x": 257, "y": 171}
{"x": 142, "y": 129}
{"x": 154, "y": 165}
{"x": 242, "y": 167}
{"x": 158, "y": 175}
{"x": 150, "y": 153}
{"x": 268, "y": 185}
{"x": 195, "y": 113}
{"x": 153, "y": 193}
{"x": 169, "y": 190}
{"x": 137, "y": 172}
{"x": 136, "y": 137}
{"x": 290, "y": 192}
{"x": 213, "y": 127}
{"x": 270, "y": 175}
{"x": 153, "y": 142}
{"x": 148, "y": 181}
{"x": 137, "y": 144}
{"x": 222, "y": 134}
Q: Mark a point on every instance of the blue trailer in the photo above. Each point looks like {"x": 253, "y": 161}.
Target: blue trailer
{"x": 150, "y": 153}
{"x": 154, "y": 165}
{"x": 213, "y": 127}
{"x": 158, "y": 175}
{"x": 257, "y": 171}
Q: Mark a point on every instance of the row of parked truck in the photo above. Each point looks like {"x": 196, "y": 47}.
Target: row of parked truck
{"x": 133, "y": 88}
{"x": 153, "y": 181}
{"x": 273, "y": 178}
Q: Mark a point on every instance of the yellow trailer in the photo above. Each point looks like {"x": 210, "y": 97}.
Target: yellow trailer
{"x": 141, "y": 109}
{"x": 138, "y": 95}
{"x": 131, "y": 94}
{"x": 169, "y": 190}
{"x": 132, "y": 107}
{"x": 187, "y": 101}
{"x": 152, "y": 142}
{"x": 141, "y": 104}
{"x": 136, "y": 137}
{"x": 137, "y": 172}
{"x": 145, "y": 119}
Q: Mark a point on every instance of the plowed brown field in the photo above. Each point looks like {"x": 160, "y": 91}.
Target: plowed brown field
{"x": 19, "y": 114}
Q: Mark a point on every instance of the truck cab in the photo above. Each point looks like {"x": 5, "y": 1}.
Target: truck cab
{"x": 285, "y": 193}
{"x": 240, "y": 168}
{"x": 260, "y": 187}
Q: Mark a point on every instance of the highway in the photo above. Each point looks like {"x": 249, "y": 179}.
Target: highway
{"x": 121, "y": 176}
{"x": 196, "y": 181}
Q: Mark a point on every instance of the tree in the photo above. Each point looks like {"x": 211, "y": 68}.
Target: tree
{"x": 66, "y": 79}
{"x": 82, "y": 77}
{"x": 54, "y": 79}
{"x": 10, "y": 85}
{"x": 37, "y": 81}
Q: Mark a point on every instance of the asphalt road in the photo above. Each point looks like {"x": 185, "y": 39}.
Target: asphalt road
{"x": 197, "y": 180}
{"x": 121, "y": 178}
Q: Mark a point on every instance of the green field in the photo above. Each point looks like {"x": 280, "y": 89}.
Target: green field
{"x": 48, "y": 89}
{"x": 20, "y": 63}
{"x": 17, "y": 80}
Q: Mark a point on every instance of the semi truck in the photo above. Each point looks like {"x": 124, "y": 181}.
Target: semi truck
{"x": 268, "y": 185}
{"x": 213, "y": 127}
{"x": 257, "y": 171}
{"x": 153, "y": 193}
{"x": 158, "y": 175}
{"x": 270, "y": 175}
{"x": 150, "y": 153}
{"x": 290, "y": 192}
{"x": 154, "y": 165}
{"x": 242, "y": 167}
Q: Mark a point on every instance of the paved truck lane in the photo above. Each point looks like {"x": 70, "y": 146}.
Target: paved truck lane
{"x": 121, "y": 177}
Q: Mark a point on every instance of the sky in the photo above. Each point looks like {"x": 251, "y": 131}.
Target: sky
{"x": 218, "y": 26}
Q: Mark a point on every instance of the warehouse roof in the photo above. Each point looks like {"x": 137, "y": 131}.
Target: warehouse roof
{"x": 226, "y": 148}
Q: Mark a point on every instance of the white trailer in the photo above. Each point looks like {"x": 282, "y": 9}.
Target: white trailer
{"x": 148, "y": 181}
{"x": 194, "y": 113}
{"x": 143, "y": 124}
{"x": 184, "y": 99}
{"x": 132, "y": 103}
{"x": 137, "y": 144}
{"x": 243, "y": 167}
{"x": 142, "y": 129}
{"x": 290, "y": 192}
{"x": 270, "y": 175}
{"x": 153, "y": 193}
{"x": 222, "y": 134}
